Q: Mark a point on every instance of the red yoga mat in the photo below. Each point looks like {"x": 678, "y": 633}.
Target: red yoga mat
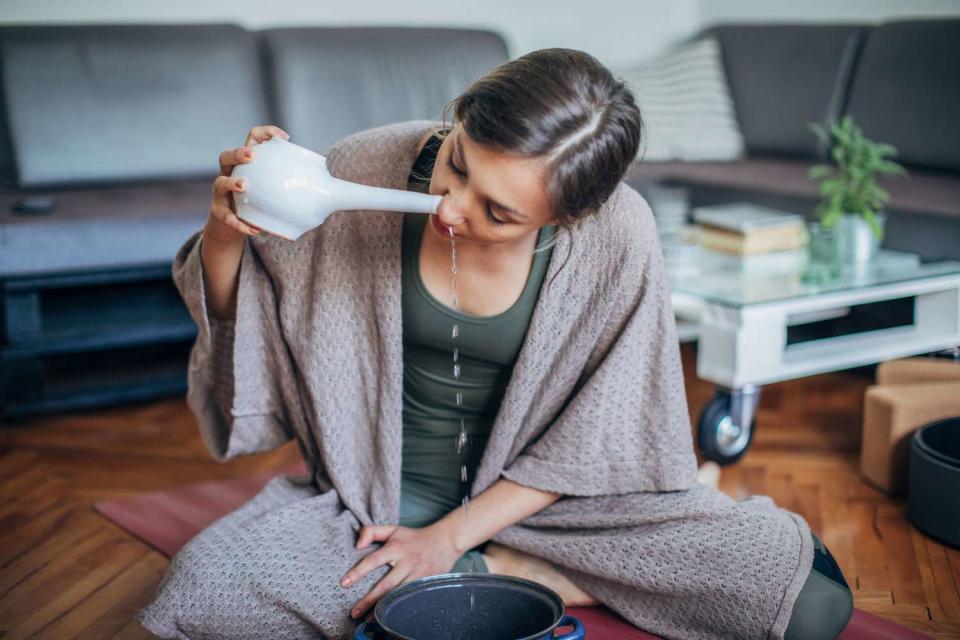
{"x": 166, "y": 520}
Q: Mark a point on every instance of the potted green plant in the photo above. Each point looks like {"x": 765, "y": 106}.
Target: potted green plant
{"x": 851, "y": 195}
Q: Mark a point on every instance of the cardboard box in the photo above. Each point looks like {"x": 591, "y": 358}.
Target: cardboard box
{"x": 891, "y": 414}
{"x": 915, "y": 370}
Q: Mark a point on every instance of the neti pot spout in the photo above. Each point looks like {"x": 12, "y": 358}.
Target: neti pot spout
{"x": 351, "y": 195}
{"x": 289, "y": 191}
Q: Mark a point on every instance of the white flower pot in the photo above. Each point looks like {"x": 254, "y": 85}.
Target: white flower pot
{"x": 860, "y": 246}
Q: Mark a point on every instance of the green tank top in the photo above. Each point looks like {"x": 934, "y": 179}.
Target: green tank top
{"x": 487, "y": 348}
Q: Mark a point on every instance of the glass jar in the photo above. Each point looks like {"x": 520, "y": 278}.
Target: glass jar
{"x": 825, "y": 254}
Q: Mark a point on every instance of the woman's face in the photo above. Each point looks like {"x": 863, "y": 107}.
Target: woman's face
{"x": 489, "y": 197}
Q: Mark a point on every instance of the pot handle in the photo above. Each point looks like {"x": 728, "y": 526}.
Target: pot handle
{"x": 361, "y": 632}
{"x": 578, "y": 632}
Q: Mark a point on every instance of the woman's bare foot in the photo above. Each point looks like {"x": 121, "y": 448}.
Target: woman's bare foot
{"x": 709, "y": 474}
{"x": 511, "y": 562}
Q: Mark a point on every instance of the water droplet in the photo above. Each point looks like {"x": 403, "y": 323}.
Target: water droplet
{"x": 456, "y": 300}
{"x": 455, "y": 333}
{"x": 246, "y": 200}
{"x": 471, "y": 600}
{"x": 459, "y": 398}
{"x": 456, "y": 355}
{"x": 456, "y": 371}
{"x": 463, "y": 473}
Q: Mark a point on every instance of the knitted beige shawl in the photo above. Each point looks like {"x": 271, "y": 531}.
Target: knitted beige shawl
{"x": 595, "y": 410}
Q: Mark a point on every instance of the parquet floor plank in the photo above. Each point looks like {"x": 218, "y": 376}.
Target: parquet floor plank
{"x": 107, "y": 610}
{"x": 79, "y": 527}
{"x": 905, "y": 578}
{"x": 133, "y": 630}
{"x": 67, "y": 578}
{"x": 26, "y": 537}
{"x": 66, "y": 573}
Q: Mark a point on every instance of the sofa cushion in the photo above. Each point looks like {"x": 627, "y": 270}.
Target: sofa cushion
{"x": 331, "y": 82}
{"x": 686, "y": 106}
{"x": 101, "y": 228}
{"x": 930, "y": 193}
{"x": 95, "y": 103}
{"x": 906, "y": 91}
{"x": 784, "y": 76}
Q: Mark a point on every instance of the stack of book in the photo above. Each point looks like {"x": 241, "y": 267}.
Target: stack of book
{"x": 746, "y": 237}
{"x": 748, "y": 229}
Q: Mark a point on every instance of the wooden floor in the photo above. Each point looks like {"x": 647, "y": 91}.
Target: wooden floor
{"x": 65, "y": 572}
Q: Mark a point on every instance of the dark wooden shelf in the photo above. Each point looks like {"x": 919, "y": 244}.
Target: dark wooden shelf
{"x": 83, "y": 380}
{"x": 91, "y": 339}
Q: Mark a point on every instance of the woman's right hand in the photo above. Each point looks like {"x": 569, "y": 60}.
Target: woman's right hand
{"x": 223, "y": 223}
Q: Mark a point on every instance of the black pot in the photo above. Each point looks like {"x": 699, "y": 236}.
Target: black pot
{"x": 469, "y": 606}
{"x": 934, "y": 501}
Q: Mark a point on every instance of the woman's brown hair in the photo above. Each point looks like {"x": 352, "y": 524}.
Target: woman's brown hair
{"x": 566, "y": 105}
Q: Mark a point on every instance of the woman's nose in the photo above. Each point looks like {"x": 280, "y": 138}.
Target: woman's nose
{"x": 450, "y": 212}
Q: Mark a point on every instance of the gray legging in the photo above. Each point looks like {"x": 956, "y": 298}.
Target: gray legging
{"x": 825, "y": 603}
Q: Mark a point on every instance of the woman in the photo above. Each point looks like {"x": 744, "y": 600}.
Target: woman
{"x": 578, "y": 457}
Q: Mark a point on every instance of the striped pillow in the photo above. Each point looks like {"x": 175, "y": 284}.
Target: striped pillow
{"x": 686, "y": 106}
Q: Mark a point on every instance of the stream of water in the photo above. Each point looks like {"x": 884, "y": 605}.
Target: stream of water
{"x": 454, "y": 336}
{"x": 462, "y": 436}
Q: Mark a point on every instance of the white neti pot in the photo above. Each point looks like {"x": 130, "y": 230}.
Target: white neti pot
{"x": 860, "y": 245}
{"x": 288, "y": 191}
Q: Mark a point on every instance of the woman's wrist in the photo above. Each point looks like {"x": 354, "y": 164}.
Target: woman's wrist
{"x": 218, "y": 233}
{"x": 450, "y": 529}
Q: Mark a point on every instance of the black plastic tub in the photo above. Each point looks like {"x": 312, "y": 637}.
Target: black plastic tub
{"x": 934, "y": 499}
{"x": 470, "y": 606}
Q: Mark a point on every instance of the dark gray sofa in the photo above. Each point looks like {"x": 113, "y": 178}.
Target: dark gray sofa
{"x": 116, "y": 130}
{"x": 898, "y": 80}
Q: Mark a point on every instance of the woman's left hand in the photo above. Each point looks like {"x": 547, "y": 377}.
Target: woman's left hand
{"x": 413, "y": 553}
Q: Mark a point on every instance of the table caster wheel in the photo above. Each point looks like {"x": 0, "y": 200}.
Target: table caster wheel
{"x": 719, "y": 436}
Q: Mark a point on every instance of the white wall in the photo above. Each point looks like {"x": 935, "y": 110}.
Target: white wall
{"x": 618, "y": 32}
{"x": 867, "y": 11}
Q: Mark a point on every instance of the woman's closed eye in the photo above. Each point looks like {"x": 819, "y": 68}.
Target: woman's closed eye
{"x": 494, "y": 219}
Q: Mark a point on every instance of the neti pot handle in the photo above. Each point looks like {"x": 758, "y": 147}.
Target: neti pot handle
{"x": 578, "y": 633}
{"x": 372, "y": 627}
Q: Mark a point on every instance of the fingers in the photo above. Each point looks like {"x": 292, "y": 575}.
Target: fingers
{"x": 232, "y": 157}
{"x": 387, "y": 583}
{"x": 365, "y": 566}
{"x": 227, "y": 218}
{"x": 223, "y": 210}
{"x": 222, "y": 206}
{"x": 222, "y": 185}
{"x": 264, "y": 133}
{"x": 374, "y": 533}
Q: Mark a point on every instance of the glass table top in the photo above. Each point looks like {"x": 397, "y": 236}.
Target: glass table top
{"x": 734, "y": 281}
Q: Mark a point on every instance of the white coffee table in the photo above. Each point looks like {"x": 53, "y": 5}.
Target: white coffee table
{"x": 746, "y": 321}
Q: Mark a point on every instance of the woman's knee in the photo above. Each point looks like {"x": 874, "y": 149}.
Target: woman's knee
{"x": 821, "y": 611}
